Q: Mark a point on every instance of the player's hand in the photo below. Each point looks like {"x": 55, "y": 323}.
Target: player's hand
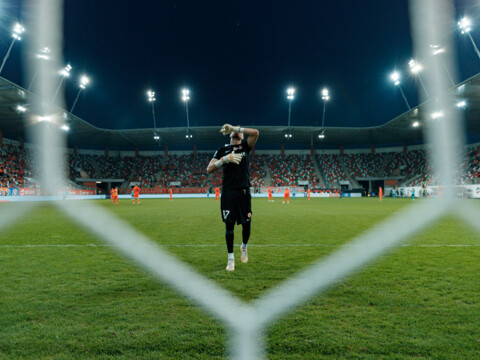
{"x": 232, "y": 158}
{"x": 227, "y": 129}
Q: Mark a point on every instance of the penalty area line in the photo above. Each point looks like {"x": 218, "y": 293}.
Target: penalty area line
{"x": 223, "y": 245}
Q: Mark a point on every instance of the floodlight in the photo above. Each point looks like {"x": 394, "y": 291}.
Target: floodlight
{"x": 436, "y": 115}
{"x": 185, "y": 95}
{"x": 437, "y": 49}
{"x": 65, "y": 127}
{"x": 186, "y": 98}
{"x": 462, "y": 104}
{"x": 21, "y": 109}
{"x": 156, "y": 137}
{"x": 415, "y": 67}
{"x": 395, "y": 76}
{"x": 84, "y": 81}
{"x": 44, "y": 54}
{"x": 322, "y": 135}
{"x": 325, "y": 95}
{"x": 66, "y": 71}
{"x": 290, "y": 93}
{"x": 45, "y": 118}
{"x": 288, "y": 136}
{"x": 189, "y": 136}
{"x": 465, "y": 25}
{"x": 17, "y": 31}
{"x": 416, "y": 124}
{"x": 151, "y": 95}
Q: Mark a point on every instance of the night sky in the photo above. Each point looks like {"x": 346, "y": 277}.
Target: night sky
{"x": 237, "y": 59}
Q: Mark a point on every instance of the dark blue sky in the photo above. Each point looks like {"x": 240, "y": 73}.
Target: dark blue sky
{"x": 237, "y": 59}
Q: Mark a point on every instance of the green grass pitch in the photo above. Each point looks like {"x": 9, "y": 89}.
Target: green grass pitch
{"x": 88, "y": 302}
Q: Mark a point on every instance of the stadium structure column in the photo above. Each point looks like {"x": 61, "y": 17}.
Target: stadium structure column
{"x": 283, "y": 150}
{"x": 373, "y": 149}
{"x": 341, "y": 150}
{"x": 75, "y": 150}
{"x": 136, "y": 152}
{"x": 106, "y": 150}
{"x": 194, "y": 151}
{"x": 312, "y": 150}
{"x": 404, "y": 148}
{"x": 166, "y": 150}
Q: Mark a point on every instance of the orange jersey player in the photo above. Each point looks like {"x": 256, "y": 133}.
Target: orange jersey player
{"x": 171, "y": 193}
{"x": 217, "y": 193}
{"x": 136, "y": 194}
{"x": 115, "y": 193}
{"x": 380, "y": 193}
{"x": 112, "y": 195}
{"x": 308, "y": 194}
{"x": 270, "y": 196}
{"x": 286, "y": 196}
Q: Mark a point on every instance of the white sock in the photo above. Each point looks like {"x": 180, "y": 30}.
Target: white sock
{"x": 230, "y": 256}
{"x": 244, "y": 246}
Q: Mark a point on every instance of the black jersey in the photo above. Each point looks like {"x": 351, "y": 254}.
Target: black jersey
{"x": 235, "y": 176}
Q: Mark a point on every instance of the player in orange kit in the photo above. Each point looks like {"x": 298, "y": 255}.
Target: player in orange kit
{"x": 171, "y": 193}
{"x": 286, "y": 196}
{"x": 112, "y": 195}
{"x": 136, "y": 194}
{"x": 380, "y": 193}
{"x": 115, "y": 195}
{"x": 308, "y": 194}
{"x": 270, "y": 196}
{"x": 217, "y": 193}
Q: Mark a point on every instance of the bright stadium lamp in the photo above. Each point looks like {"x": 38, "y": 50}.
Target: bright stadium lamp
{"x": 65, "y": 72}
{"x": 436, "y": 115}
{"x": 290, "y": 97}
{"x": 186, "y": 99}
{"x": 321, "y": 136}
{"x": 151, "y": 98}
{"x": 84, "y": 81}
{"x": 43, "y": 54}
{"x": 416, "y": 124}
{"x": 325, "y": 98}
{"x": 16, "y": 35}
{"x": 21, "y": 109}
{"x": 395, "y": 76}
{"x": 465, "y": 26}
{"x": 462, "y": 104}
{"x": 439, "y": 50}
{"x": 65, "y": 128}
{"x": 415, "y": 69}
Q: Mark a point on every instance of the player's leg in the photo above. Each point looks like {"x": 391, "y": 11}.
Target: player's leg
{"x": 246, "y": 230}
{"x": 229, "y": 234}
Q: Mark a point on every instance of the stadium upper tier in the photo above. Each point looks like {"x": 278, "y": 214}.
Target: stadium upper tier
{"x": 15, "y": 124}
{"x": 19, "y": 168}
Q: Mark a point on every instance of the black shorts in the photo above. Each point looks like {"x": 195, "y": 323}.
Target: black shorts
{"x": 236, "y": 206}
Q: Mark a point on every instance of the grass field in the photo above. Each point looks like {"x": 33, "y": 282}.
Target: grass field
{"x": 87, "y": 302}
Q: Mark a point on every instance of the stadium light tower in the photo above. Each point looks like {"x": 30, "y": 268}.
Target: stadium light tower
{"x": 16, "y": 34}
{"x": 65, "y": 72}
{"x": 465, "y": 25}
{"x": 151, "y": 99}
{"x": 438, "y": 50}
{"x": 325, "y": 98}
{"x": 415, "y": 69}
{"x": 290, "y": 97}
{"x": 185, "y": 99}
{"x": 43, "y": 54}
{"x": 84, "y": 81}
{"x": 395, "y": 76}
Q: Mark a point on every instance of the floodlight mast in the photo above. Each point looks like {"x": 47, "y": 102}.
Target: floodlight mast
{"x": 395, "y": 76}
{"x": 151, "y": 99}
{"x": 16, "y": 34}
{"x": 415, "y": 69}
{"x": 439, "y": 50}
{"x": 290, "y": 97}
{"x": 84, "y": 81}
{"x": 44, "y": 54}
{"x": 65, "y": 72}
{"x": 185, "y": 99}
{"x": 465, "y": 27}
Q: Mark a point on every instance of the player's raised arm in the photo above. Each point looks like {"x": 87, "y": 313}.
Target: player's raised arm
{"x": 252, "y": 133}
{"x": 216, "y": 164}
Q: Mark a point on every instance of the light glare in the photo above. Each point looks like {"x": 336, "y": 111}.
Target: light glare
{"x": 395, "y": 76}
{"x": 185, "y": 95}
{"x": 465, "y": 25}
{"x": 290, "y": 93}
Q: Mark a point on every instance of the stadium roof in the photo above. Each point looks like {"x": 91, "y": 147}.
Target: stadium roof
{"x": 14, "y": 125}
